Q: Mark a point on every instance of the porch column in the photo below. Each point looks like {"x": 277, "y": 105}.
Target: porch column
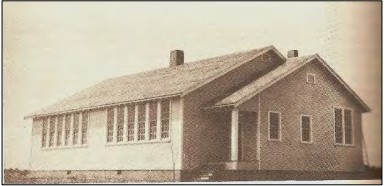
{"x": 234, "y": 134}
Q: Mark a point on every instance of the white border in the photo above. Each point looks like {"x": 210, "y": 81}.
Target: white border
{"x": 343, "y": 125}
{"x": 279, "y": 126}
{"x": 311, "y": 128}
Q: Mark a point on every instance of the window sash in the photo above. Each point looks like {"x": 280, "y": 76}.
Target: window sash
{"x": 348, "y": 127}
{"x": 141, "y": 121}
{"x": 52, "y": 127}
{"x": 274, "y": 125}
{"x": 44, "y": 132}
{"x": 59, "y": 130}
{"x": 131, "y": 123}
{"x": 110, "y": 124}
{"x": 343, "y": 126}
{"x": 85, "y": 120}
{"x": 120, "y": 123}
{"x": 306, "y": 129}
{"x": 165, "y": 119}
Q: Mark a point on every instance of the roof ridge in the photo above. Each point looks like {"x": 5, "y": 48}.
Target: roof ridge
{"x": 190, "y": 63}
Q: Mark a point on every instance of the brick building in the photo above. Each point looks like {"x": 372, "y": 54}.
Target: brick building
{"x": 253, "y": 110}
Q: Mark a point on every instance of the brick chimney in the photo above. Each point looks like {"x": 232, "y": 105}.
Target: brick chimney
{"x": 176, "y": 58}
{"x": 292, "y": 53}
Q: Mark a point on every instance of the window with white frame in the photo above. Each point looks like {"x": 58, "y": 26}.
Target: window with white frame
{"x": 165, "y": 118}
{"x": 75, "y": 134}
{"x": 310, "y": 78}
{"x": 120, "y": 123}
{"x": 153, "y": 119}
{"x": 85, "y": 118}
{"x": 343, "y": 129}
{"x": 59, "y": 128}
{"x": 44, "y": 132}
{"x": 141, "y": 121}
{"x": 306, "y": 129}
{"x": 52, "y": 126}
{"x": 274, "y": 125}
{"x": 131, "y": 122}
{"x": 67, "y": 130}
{"x": 110, "y": 124}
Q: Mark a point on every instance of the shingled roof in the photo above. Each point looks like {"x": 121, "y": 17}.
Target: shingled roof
{"x": 165, "y": 82}
{"x": 260, "y": 84}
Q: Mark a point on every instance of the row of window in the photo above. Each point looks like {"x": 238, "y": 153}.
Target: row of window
{"x": 343, "y": 133}
{"x": 146, "y": 121}
{"x": 65, "y": 130}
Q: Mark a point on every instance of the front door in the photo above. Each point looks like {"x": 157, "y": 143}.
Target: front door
{"x": 247, "y": 139}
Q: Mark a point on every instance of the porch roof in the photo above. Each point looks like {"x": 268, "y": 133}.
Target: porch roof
{"x": 291, "y": 65}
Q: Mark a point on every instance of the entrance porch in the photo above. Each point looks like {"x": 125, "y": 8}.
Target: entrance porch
{"x": 240, "y": 139}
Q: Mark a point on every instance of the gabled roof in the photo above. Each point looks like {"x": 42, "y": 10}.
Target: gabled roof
{"x": 165, "y": 82}
{"x": 291, "y": 65}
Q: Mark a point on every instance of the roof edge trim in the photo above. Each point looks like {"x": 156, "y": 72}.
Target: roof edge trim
{"x": 99, "y": 106}
{"x": 264, "y": 50}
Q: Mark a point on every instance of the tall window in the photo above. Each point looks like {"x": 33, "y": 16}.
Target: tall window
{"x": 120, "y": 123}
{"x": 165, "y": 118}
{"x": 343, "y": 131}
{"x": 75, "y": 135}
{"x": 338, "y": 134}
{"x": 84, "y": 127}
{"x": 52, "y": 125}
{"x": 131, "y": 122}
{"x": 67, "y": 129}
{"x": 141, "y": 121}
{"x": 274, "y": 125}
{"x": 59, "y": 130}
{"x": 153, "y": 119}
{"x": 348, "y": 126}
{"x": 110, "y": 124}
{"x": 306, "y": 135}
{"x": 44, "y": 132}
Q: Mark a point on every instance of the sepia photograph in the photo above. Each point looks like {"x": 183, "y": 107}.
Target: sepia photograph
{"x": 191, "y": 92}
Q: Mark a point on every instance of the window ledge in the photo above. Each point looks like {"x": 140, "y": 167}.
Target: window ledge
{"x": 344, "y": 145}
{"x": 138, "y": 142}
{"x": 64, "y": 147}
{"x": 307, "y": 142}
{"x": 274, "y": 140}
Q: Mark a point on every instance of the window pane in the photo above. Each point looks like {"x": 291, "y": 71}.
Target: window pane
{"x": 44, "y": 132}
{"x": 59, "y": 130}
{"x": 153, "y": 116}
{"x": 84, "y": 127}
{"x": 165, "y": 114}
{"x": 75, "y": 136}
{"x": 120, "y": 123}
{"x": 67, "y": 131}
{"x": 348, "y": 126}
{"x": 338, "y": 125}
{"x": 52, "y": 126}
{"x": 311, "y": 78}
{"x": 141, "y": 121}
{"x": 274, "y": 125}
{"x": 110, "y": 124}
{"x": 306, "y": 132}
{"x": 131, "y": 122}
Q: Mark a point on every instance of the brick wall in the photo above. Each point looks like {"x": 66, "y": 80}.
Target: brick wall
{"x": 292, "y": 96}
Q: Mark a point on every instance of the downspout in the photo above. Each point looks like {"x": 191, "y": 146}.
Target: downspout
{"x": 259, "y": 133}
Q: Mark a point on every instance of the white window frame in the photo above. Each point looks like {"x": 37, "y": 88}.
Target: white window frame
{"x": 311, "y": 128}
{"x": 307, "y": 78}
{"x": 279, "y": 126}
{"x": 88, "y": 128}
{"x": 169, "y": 121}
{"x": 158, "y": 138}
{"x": 343, "y": 125}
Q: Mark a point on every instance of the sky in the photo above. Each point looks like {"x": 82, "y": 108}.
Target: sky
{"x": 52, "y": 50}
